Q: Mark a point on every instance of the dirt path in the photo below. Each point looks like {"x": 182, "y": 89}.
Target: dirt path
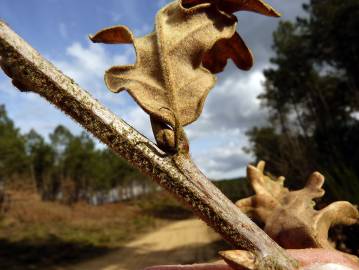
{"x": 181, "y": 242}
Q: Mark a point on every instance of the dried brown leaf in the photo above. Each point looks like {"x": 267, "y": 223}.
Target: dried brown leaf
{"x": 175, "y": 64}
{"x": 289, "y": 217}
{"x": 234, "y": 48}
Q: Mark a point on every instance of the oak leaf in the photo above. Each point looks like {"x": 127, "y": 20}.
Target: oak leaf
{"x": 289, "y": 217}
{"x": 175, "y": 65}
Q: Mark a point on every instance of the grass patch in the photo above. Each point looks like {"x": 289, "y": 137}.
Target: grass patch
{"x": 35, "y": 234}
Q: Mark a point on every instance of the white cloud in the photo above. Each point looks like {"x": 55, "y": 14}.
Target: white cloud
{"x": 225, "y": 161}
{"x": 230, "y": 110}
{"x": 87, "y": 65}
{"x": 28, "y": 110}
{"x": 232, "y": 105}
{"x": 137, "y": 118}
{"x": 239, "y": 95}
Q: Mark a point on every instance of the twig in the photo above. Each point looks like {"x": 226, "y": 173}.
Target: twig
{"x": 31, "y": 72}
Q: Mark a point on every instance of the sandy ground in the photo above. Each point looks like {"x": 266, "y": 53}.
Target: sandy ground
{"x": 180, "y": 242}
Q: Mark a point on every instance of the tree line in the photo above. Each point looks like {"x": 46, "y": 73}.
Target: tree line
{"x": 65, "y": 167}
{"x": 312, "y": 93}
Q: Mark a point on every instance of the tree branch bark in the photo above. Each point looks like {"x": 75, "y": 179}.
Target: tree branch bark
{"x": 31, "y": 72}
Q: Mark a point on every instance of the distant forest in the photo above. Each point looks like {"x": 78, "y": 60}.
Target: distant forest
{"x": 69, "y": 168}
{"x": 312, "y": 93}
{"x": 66, "y": 167}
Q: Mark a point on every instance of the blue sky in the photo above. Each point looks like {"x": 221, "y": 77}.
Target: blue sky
{"x": 59, "y": 30}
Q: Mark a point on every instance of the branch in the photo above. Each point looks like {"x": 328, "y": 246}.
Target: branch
{"x": 31, "y": 72}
